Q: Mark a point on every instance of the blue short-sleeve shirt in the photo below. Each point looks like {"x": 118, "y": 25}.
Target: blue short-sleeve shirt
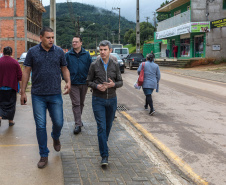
{"x": 46, "y": 69}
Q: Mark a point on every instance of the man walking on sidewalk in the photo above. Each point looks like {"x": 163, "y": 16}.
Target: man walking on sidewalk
{"x": 46, "y": 61}
{"x": 104, "y": 77}
{"x": 79, "y": 61}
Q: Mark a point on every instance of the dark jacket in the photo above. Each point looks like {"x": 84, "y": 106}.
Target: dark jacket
{"x": 98, "y": 75}
{"x": 78, "y": 65}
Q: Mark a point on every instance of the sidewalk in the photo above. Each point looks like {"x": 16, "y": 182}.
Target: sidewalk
{"x": 78, "y": 163}
{"x": 208, "y": 72}
{"x": 19, "y": 152}
{"x": 128, "y": 163}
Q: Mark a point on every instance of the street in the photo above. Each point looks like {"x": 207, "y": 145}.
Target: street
{"x": 190, "y": 119}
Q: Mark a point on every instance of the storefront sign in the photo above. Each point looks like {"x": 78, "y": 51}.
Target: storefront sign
{"x": 200, "y": 27}
{"x": 182, "y": 29}
{"x": 166, "y": 33}
{"x": 218, "y": 23}
{"x": 164, "y": 41}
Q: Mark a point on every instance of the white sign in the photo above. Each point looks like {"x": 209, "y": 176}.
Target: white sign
{"x": 216, "y": 47}
{"x": 179, "y": 30}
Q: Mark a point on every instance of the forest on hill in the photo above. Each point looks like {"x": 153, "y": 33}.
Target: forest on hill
{"x": 98, "y": 24}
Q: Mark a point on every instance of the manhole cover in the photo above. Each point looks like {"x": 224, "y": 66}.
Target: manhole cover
{"x": 121, "y": 108}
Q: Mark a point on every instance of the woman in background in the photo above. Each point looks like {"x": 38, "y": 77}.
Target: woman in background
{"x": 10, "y": 75}
{"x": 151, "y": 80}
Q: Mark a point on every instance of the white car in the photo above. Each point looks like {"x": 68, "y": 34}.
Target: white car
{"x": 120, "y": 62}
{"x": 22, "y": 57}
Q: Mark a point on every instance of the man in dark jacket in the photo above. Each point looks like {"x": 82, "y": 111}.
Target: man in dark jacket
{"x": 104, "y": 77}
{"x": 79, "y": 61}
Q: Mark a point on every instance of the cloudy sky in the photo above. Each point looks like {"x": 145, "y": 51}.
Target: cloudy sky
{"x": 128, "y": 7}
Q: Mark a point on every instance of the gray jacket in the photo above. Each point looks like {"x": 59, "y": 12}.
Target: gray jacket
{"x": 98, "y": 75}
{"x": 151, "y": 75}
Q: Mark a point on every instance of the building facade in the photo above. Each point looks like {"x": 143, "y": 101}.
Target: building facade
{"x": 20, "y": 24}
{"x": 193, "y": 29}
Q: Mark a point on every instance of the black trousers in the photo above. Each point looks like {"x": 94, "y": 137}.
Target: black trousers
{"x": 149, "y": 101}
{"x": 7, "y": 104}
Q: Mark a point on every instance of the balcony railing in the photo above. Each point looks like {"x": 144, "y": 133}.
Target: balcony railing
{"x": 174, "y": 21}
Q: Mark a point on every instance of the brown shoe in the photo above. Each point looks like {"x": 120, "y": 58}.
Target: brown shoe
{"x": 43, "y": 162}
{"x": 56, "y": 145}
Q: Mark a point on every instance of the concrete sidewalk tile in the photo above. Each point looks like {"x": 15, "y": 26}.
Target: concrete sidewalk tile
{"x": 128, "y": 164}
{"x": 86, "y": 181}
{"x": 72, "y": 183}
{"x": 107, "y": 179}
{"x": 72, "y": 179}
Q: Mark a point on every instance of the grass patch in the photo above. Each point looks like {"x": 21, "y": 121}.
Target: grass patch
{"x": 131, "y": 48}
{"x": 219, "y": 61}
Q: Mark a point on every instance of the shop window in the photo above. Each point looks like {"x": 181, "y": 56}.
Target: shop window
{"x": 199, "y": 44}
{"x": 224, "y": 4}
{"x": 177, "y": 12}
{"x": 185, "y": 47}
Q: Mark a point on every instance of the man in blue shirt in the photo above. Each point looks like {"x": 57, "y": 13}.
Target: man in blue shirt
{"x": 104, "y": 78}
{"x": 79, "y": 61}
{"x": 46, "y": 61}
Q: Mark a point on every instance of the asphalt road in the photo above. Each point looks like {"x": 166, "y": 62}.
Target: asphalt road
{"x": 190, "y": 120}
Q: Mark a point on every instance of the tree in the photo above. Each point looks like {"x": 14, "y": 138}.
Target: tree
{"x": 146, "y": 33}
{"x": 163, "y": 16}
{"x": 127, "y": 35}
{"x": 132, "y": 39}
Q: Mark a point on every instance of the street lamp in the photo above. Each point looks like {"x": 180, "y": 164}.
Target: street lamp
{"x": 82, "y": 29}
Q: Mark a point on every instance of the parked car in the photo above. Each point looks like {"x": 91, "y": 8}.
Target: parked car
{"x": 134, "y": 60}
{"x": 120, "y": 62}
{"x": 122, "y": 52}
{"x": 94, "y": 58}
{"x": 1, "y": 55}
{"x": 22, "y": 57}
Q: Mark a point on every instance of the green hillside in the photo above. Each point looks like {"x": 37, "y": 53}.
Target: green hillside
{"x": 105, "y": 21}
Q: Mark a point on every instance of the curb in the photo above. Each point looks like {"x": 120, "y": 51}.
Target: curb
{"x": 184, "y": 167}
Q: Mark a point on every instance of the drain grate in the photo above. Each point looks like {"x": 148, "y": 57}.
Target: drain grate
{"x": 121, "y": 108}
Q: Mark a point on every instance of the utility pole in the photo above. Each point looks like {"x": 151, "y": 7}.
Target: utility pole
{"x": 78, "y": 31}
{"x": 147, "y": 18}
{"x": 138, "y": 29}
{"x": 154, "y": 19}
{"x": 113, "y": 37}
{"x": 53, "y": 17}
{"x": 118, "y": 24}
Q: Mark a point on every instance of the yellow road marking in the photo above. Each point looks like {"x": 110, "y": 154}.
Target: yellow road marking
{"x": 18, "y": 145}
{"x": 178, "y": 161}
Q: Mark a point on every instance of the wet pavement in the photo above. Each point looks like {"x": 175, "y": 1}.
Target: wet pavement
{"x": 79, "y": 160}
{"x": 128, "y": 163}
{"x": 208, "y": 72}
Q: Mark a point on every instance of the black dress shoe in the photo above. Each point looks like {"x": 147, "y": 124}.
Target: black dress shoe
{"x": 77, "y": 129}
{"x": 104, "y": 161}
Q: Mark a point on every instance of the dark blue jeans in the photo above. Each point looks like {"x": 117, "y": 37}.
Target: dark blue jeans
{"x": 104, "y": 112}
{"x": 54, "y": 104}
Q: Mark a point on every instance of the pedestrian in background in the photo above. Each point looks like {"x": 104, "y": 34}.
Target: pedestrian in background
{"x": 10, "y": 75}
{"x": 151, "y": 80}
{"x": 104, "y": 77}
{"x": 79, "y": 61}
{"x": 46, "y": 61}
